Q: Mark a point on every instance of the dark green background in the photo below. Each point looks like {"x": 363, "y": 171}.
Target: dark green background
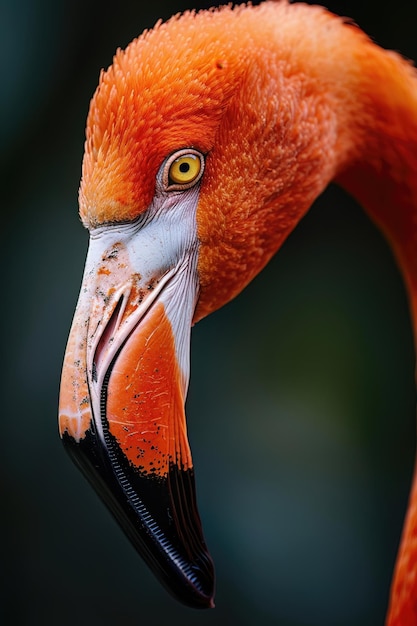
{"x": 301, "y": 407}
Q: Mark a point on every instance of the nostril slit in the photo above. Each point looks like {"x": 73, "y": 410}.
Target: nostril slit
{"x": 106, "y": 339}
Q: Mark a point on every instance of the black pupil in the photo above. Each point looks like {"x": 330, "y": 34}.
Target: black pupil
{"x": 184, "y": 168}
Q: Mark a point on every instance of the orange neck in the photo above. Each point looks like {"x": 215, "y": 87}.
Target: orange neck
{"x": 382, "y": 175}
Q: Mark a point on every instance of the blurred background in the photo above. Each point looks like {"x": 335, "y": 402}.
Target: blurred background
{"x": 301, "y": 409}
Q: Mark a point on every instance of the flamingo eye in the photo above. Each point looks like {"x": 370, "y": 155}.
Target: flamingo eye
{"x": 183, "y": 169}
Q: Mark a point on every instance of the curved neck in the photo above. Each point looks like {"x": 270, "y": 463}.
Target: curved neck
{"x": 381, "y": 173}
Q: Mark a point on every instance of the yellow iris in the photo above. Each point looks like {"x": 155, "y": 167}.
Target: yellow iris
{"x": 185, "y": 169}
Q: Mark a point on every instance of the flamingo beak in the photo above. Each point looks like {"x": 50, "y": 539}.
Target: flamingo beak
{"x": 123, "y": 389}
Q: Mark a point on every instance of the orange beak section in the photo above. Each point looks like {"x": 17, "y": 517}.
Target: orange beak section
{"x": 122, "y": 415}
{"x": 145, "y": 402}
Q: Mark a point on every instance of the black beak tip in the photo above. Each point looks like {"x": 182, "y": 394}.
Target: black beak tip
{"x": 159, "y": 516}
{"x": 198, "y": 590}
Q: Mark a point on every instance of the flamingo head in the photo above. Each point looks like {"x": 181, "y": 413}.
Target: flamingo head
{"x": 199, "y": 160}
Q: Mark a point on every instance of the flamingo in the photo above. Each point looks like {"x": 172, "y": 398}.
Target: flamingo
{"x": 207, "y": 141}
